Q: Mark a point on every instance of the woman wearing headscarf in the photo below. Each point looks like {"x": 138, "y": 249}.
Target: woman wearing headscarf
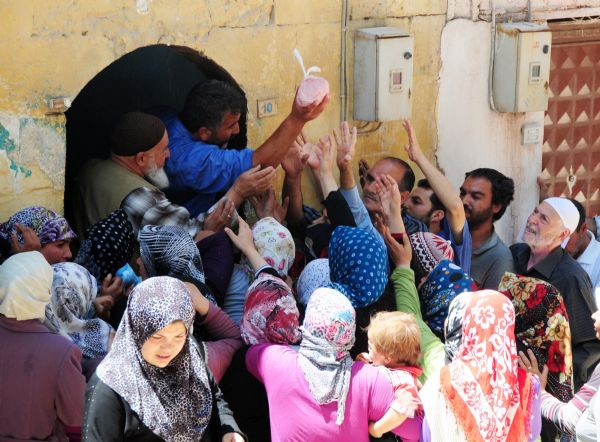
{"x": 270, "y": 311}
{"x": 170, "y": 251}
{"x": 108, "y": 246}
{"x": 52, "y": 230}
{"x": 275, "y": 245}
{"x": 441, "y": 286}
{"x": 41, "y": 383}
{"x": 314, "y": 275}
{"x": 453, "y": 325}
{"x": 429, "y": 250}
{"x": 330, "y": 397}
{"x": 72, "y": 312}
{"x": 542, "y": 326}
{"x": 357, "y": 265}
{"x": 154, "y": 383}
{"x": 482, "y": 395}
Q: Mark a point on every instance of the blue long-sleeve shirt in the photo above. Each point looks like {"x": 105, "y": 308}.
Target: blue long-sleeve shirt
{"x": 198, "y": 171}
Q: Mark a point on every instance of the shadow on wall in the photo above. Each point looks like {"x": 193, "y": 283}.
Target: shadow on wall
{"x": 153, "y": 78}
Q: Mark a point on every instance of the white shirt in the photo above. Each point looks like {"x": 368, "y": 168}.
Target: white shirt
{"x": 590, "y": 262}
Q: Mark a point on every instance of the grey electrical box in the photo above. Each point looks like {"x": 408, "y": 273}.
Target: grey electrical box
{"x": 521, "y": 67}
{"x": 383, "y": 71}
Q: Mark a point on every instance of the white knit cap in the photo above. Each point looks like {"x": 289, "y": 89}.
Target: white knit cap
{"x": 567, "y": 212}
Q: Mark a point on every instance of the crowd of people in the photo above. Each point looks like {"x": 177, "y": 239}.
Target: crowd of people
{"x": 184, "y": 302}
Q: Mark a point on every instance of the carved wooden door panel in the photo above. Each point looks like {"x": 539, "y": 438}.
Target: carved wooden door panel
{"x": 571, "y": 149}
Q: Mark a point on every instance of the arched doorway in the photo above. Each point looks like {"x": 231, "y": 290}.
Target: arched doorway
{"x": 146, "y": 79}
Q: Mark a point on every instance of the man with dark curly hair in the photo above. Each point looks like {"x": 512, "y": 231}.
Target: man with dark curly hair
{"x": 485, "y": 194}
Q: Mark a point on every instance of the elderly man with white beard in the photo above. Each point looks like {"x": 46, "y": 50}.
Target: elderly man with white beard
{"x": 133, "y": 178}
{"x": 542, "y": 256}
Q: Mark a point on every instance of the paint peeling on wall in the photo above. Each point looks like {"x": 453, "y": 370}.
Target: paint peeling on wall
{"x": 143, "y": 6}
{"x": 43, "y": 143}
{"x": 7, "y": 144}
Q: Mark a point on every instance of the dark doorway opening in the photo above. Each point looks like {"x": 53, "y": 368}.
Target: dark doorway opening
{"x": 150, "y": 78}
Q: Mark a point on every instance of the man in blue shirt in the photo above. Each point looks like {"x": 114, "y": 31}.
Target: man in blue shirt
{"x": 200, "y": 166}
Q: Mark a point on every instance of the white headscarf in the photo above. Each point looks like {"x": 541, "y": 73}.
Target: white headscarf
{"x": 25, "y": 282}
{"x": 567, "y": 212}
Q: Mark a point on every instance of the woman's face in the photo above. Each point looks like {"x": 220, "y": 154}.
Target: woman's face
{"x": 164, "y": 345}
{"x": 596, "y": 318}
{"x": 57, "y": 251}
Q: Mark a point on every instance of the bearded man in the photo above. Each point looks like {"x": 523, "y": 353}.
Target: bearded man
{"x": 485, "y": 194}
{"x": 542, "y": 256}
{"x": 139, "y": 149}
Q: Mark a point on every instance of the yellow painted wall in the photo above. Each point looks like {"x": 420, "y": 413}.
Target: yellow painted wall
{"x": 52, "y": 49}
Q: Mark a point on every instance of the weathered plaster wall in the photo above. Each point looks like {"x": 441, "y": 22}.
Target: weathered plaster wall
{"x": 472, "y": 135}
{"x": 54, "y": 50}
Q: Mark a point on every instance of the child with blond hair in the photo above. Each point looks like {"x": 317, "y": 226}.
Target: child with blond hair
{"x": 395, "y": 346}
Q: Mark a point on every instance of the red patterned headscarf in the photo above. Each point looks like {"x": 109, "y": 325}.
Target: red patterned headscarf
{"x": 270, "y": 313}
{"x": 489, "y": 395}
{"x": 542, "y": 325}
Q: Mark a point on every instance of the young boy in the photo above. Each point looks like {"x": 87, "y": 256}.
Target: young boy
{"x": 394, "y": 345}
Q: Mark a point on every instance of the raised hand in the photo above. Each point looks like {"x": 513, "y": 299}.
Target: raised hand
{"x": 112, "y": 286}
{"x": 412, "y": 148}
{"x": 310, "y": 112}
{"x": 363, "y": 169}
{"x": 31, "y": 241}
{"x": 391, "y": 202}
{"x": 265, "y": 204}
{"x": 243, "y": 240}
{"x": 253, "y": 182}
{"x": 346, "y": 144}
{"x": 325, "y": 155}
{"x": 400, "y": 253}
{"x": 221, "y": 217}
{"x": 297, "y": 156}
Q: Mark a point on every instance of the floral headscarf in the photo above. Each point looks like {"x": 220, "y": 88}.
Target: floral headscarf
{"x": 443, "y": 284}
{"x": 174, "y": 402}
{"x": 429, "y": 250}
{"x": 453, "y": 325}
{"x": 25, "y": 281}
{"x": 542, "y": 325}
{"x": 314, "y": 275}
{"x": 270, "y": 313}
{"x": 489, "y": 395}
{"x": 48, "y": 225}
{"x": 73, "y": 294}
{"x": 327, "y": 336}
{"x": 108, "y": 245}
{"x": 274, "y": 243}
{"x": 358, "y": 265}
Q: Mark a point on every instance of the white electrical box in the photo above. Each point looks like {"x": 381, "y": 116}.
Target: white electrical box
{"x": 521, "y": 67}
{"x": 383, "y": 71}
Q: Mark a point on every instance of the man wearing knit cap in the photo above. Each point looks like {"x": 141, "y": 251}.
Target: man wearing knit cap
{"x": 542, "y": 256}
{"x": 139, "y": 149}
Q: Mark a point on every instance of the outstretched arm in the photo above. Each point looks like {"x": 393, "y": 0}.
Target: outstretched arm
{"x": 440, "y": 185}
{"x": 346, "y": 144}
{"x": 272, "y": 151}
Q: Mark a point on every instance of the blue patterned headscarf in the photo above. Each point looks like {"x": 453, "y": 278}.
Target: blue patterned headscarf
{"x": 358, "y": 265}
{"x": 444, "y": 283}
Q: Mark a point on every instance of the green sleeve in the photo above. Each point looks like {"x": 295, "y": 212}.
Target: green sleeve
{"x": 407, "y": 301}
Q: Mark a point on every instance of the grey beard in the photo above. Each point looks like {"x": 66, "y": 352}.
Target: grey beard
{"x": 158, "y": 177}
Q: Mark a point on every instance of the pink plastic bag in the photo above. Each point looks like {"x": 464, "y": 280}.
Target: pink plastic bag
{"x": 312, "y": 89}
